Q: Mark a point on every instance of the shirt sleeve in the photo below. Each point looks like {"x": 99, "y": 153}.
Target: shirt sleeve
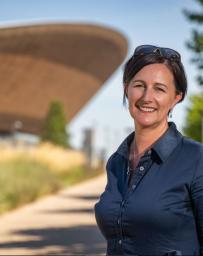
{"x": 197, "y": 198}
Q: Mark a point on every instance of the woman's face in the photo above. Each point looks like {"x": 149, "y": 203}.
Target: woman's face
{"x": 151, "y": 94}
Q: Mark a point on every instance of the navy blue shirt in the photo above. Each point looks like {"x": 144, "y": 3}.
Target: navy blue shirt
{"x": 161, "y": 212}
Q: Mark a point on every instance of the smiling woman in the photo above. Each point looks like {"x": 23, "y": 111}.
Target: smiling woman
{"x": 153, "y": 200}
{"x": 151, "y": 95}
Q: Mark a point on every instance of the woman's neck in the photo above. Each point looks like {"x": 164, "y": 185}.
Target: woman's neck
{"x": 145, "y": 137}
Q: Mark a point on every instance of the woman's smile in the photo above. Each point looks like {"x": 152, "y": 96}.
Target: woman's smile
{"x": 146, "y": 109}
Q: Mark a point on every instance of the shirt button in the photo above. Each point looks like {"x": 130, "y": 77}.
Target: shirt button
{"x": 141, "y": 168}
{"x": 149, "y": 152}
{"x": 134, "y": 186}
{"x": 120, "y": 241}
{"x": 118, "y": 221}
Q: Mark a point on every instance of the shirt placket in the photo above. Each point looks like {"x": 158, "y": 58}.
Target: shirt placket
{"x": 119, "y": 225}
{"x": 141, "y": 169}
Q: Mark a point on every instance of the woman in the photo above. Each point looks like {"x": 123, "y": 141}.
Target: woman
{"x": 153, "y": 200}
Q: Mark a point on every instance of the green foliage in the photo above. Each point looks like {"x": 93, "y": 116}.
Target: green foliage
{"x": 23, "y": 180}
{"x": 193, "y": 127}
{"x": 77, "y": 173}
{"x": 196, "y": 43}
{"x": 54, "y": 129}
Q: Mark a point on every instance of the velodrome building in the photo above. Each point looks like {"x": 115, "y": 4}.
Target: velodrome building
{"x": 43, "y": 63}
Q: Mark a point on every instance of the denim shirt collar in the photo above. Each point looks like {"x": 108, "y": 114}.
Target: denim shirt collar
{"x": 163, "y": 146}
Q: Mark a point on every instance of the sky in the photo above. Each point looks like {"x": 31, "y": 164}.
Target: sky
{"x": 154, "y": 22}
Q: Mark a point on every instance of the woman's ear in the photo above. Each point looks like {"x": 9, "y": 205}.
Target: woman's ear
{"x": 178, "y": 98}
{"x": 126, "y": 90}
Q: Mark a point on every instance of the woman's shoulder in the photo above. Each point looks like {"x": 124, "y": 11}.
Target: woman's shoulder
{"x": 117, "y": 160}
{"x": 112, "y": 159}
{"x": 192, "y": 144}
{"x": 194, "y": 153}
{"x": 193, "y": 148}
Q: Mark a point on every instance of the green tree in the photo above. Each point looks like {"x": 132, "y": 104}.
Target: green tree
{"x": 54, "y": 129}
{"x": 193, "y": 127}
{"x": 196, "y": 42}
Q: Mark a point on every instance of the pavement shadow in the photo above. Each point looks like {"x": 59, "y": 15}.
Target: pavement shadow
{"x": 83, "y": 197}
{"x": 66, "y": 211}
{"x": 78, "y": 240}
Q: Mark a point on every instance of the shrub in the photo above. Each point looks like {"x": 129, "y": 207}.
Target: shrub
{"x": 54, "y": 129}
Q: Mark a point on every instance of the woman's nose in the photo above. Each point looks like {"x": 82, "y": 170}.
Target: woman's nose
{"x": 147, "y": 94}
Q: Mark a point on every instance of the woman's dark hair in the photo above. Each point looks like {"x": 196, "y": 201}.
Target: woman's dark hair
{"x": 137, "y": 62}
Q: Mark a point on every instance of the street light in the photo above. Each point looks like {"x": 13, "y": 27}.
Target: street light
{"x": 17, "y": 125}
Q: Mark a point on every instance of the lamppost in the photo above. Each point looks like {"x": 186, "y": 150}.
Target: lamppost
{"x": 17, "y": 125}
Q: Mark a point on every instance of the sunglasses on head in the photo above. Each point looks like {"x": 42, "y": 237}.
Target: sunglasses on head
{"x": 152, "y": 49}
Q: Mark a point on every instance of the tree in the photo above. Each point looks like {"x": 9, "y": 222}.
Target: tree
{"x": 194, "y": 123}
{"x": 196, "y": 43}
{"x": 54, "y": 129}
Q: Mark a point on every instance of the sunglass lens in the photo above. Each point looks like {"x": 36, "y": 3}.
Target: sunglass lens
{"x": 144, "y": 49}
{"x": 149, "y": 49}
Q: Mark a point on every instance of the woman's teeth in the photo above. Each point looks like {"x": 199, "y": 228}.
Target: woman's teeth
{"x": 147, "y": 109}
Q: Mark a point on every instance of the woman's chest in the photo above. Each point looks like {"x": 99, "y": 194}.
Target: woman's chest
{"x": 155, "y": 193}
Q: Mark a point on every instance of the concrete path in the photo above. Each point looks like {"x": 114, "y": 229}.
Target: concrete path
{"x": 61, "y": 224}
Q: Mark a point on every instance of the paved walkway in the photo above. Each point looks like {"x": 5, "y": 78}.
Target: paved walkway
{"x": 59, "y": 224}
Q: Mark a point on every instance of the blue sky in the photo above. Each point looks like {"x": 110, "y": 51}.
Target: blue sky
{"x": 142, "y": 22}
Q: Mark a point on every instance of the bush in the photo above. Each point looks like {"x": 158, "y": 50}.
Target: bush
{"x": 24, "y": 179}
{"x": 54, "y": 129}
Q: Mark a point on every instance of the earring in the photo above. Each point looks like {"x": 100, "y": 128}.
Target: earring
{"x": 170, "y": 113}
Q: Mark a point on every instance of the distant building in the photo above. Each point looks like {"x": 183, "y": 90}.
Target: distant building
{"x": 42, "y": 63}
{"x": 88, "y": 146}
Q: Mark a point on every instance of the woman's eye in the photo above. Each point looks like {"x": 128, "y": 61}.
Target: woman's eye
{"x": 160, "y": 89}
{"x": 138, "y": 85}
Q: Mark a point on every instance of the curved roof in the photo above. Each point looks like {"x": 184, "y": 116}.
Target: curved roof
{"x": 42, "y": 63}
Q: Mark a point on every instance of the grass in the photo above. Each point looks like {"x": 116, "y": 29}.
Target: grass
{"x": 77, "y": 174}
{"x": 24, "y": 179}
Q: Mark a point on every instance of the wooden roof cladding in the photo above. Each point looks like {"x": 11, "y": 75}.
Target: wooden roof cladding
{"x": 42, "y": 63}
